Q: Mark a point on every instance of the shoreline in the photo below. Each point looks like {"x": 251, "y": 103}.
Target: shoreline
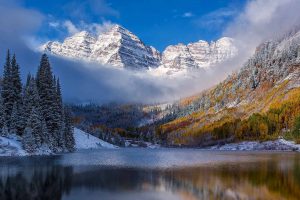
{"x": 279, "y": 145}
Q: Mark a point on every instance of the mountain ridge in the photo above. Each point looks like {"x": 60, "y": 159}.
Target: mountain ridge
{"x": 121, "y": 48}
{"x": 259, "y": 101}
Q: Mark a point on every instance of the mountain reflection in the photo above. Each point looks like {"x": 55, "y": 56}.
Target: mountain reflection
{"x": 276, "y": 178}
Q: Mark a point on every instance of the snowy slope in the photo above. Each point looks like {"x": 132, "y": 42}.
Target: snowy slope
{"x": 11, "y": 146}
{"x": 200, "y": 54}
{"x": 117, "y": 47}
{"x": 84, "y": 140}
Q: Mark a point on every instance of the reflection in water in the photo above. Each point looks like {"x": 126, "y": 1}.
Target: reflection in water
{"x": 275, "y": 178}
{"x": 40, "y": 183}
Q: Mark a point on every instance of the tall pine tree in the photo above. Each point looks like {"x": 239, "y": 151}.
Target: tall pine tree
{"x": 14, "y": 120}
{"x": 28, "y": 141}
{"x": 2, "y": 113}
{"x": 35, "y": 124}
{"x": 36, "y": 111}
{"x": 16, "y": 81}
{"x": 30, "y": 100}
{"x": 68, "y": 131}
{"x": 7, "y": 89}
{"x": 48, "y": 100}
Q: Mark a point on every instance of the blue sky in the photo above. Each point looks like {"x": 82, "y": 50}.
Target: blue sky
{"x": 157, "y": 22}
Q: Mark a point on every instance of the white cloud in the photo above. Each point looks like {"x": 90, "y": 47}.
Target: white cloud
{"x": 71, "y": 28}
{"x": 217, "y": 18}
{"x": 188, "y": 15}
{"x": 262, "y": 20}
{"x": 54, "y": 24}
{"x": 94, "y": 28}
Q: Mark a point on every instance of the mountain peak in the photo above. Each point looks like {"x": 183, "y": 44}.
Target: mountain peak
{"x": 119, "y": 47}
{"x": 200, "y": 54}
{"x": 117, "y": 27}
{"x": 81, "y": 34}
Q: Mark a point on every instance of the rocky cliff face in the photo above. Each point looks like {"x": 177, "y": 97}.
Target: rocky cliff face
{"x": 200, "y": 54}
{"x": 121, "y": 48}
{"x": 117, "y": 47}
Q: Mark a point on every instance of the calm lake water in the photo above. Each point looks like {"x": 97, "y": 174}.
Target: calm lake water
{"x": 131, "y": 174}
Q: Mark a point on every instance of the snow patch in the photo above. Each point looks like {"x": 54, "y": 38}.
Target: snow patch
{"x": 11, "y": 146}
{"x": 276, "y": 145}
{"x": 85, "y": 140}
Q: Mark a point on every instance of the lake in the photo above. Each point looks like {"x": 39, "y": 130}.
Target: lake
{"x": 134, "y": 173}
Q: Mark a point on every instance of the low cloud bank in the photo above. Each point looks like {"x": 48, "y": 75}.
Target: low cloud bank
{"x": 83, "y": 82}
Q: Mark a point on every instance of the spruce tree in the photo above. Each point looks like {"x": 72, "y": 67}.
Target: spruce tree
{"x": 35, "y": 124}
{"x": 59, "y": 97}
{"x": 44, "y": 133}
{"x": 36, "y": 111}
{"x": 28, "y": 141}
{"x": 4, "y": 130}
{"x": 7, "y": 92}
{"x": 48, "y": 100}
{"x": 28, "y": 79}
{"x": 14, "y": 119}
{"x": 68, "y": 131}
{"x": 30, "y": 100}
{"x": 2, "y": 113}
{"x": 16, "y": 81}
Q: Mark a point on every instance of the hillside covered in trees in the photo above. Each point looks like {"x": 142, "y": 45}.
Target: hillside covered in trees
{"x": 34, "y": 112}
{"x": 259, "y": 102}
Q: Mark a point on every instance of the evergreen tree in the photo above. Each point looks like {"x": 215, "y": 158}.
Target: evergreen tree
{"x": 59, "y": 97}
{"x": 30, "y": 100}
{"x": 48, "y": 102}
{"x": 44, "y": 133}
{"x": 2, "y": 113}
{"x": 35, "y": 124}
{"x": 60, "y": 113}
{"x": 28, "y": 141}
{"x": 36, "y": 111}
{"x": 68, "y": 131}
{"x": 28, "y": 79}
{"x": 4, "y": 130}
{"x": 16, "y": 81}
{"x": 7, "y": 93}
{"x": 14, "y": 120}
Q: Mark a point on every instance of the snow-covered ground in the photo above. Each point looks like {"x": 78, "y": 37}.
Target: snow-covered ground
{"x": 84, "y": 140}
{"x": 12, "y": 145}
{"x": 276, "y": 145}
{"x": 138, "y": 143}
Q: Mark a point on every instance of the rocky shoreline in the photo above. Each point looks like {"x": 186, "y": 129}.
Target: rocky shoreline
{"x": 276, "y": 145}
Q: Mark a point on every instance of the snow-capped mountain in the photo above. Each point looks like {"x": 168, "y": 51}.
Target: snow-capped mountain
{"x": 117, "y": 47}
{"x": 121, "y": 48}
{"x": 200, "y": 54}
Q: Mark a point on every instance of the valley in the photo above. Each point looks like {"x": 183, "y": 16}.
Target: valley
{"x": 258, "y": 102}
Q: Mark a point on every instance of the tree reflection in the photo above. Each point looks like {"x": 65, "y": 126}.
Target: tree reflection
{"x": 276, "y": 178}
{"x": 40, "y": 183}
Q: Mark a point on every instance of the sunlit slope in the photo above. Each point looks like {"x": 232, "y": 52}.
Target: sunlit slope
{"x": 261, "y": 101}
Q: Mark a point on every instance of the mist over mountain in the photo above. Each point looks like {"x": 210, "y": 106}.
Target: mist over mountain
{"x": 85, "y": 82}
